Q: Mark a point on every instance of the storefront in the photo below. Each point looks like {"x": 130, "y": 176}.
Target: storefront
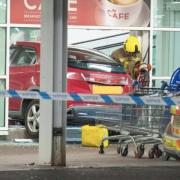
{"x": 157, "y": 25}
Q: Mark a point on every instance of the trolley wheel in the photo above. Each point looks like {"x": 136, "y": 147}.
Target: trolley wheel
{"x": 140, "y": 151}
{"x": 177, "y": 158}
{"x": 124, "y": 150}
{"x": 165, "y": 156}
{"x": 151, "y": 153}
{"x": 158, "y": 153}
{"x": 119, "y": 148}
{"x": 101, "y": 149}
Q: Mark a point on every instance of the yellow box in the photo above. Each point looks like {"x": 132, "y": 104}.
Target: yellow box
{"x": 92, "y": 136}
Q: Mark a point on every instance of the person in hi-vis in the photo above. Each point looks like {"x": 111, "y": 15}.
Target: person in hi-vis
{"x": 130, "y": 57}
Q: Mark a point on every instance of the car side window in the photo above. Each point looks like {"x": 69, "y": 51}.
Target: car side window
{"x": 25, "y": 57}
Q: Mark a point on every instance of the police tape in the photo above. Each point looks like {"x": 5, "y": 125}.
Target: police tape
{"x": 98, "y": 98}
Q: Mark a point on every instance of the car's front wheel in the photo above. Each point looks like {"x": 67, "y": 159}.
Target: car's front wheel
{"x": 32, "y": 116}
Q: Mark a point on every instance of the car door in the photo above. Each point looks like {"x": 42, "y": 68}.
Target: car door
{"x": 23, "y": 73}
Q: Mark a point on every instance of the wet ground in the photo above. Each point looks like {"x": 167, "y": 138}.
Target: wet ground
{"x": 20, "y": 161}
{"x": 25, "y": 155}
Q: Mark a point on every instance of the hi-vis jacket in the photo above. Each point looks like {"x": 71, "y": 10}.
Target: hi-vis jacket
{"x": 127, "y": 61}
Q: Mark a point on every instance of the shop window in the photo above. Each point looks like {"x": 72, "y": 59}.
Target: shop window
{"x": 3, "y": 9}
{"x": 2, "y": 50}
{"x": 2, "y": 105}
{"x": 166, "y": 54}
{"x": 24, "y": 34}
{"x": 158, "y": 82}
{"x": 167, "y": 13}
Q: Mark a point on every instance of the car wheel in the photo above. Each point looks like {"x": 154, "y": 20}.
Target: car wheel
{"x": 32, "y": 115}
{"x": 151, "y": 153}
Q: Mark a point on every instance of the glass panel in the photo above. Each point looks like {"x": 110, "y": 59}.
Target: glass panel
{"x": 158, "y": 83}
{"x": 3, "y": 5}
{"x": 25, "y": 34}
{"x": 167, "y": 13}
{"x": 2, "y": 50}
{"x": 2, "y": 105}
{"x": 166, "y": 54}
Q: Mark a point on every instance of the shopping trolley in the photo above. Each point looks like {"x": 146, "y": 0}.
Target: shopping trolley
{"x": 139, "y": 126}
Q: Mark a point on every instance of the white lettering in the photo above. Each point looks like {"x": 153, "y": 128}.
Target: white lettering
{"x": 32, "y": 7}
{"x": 71, "y": 5}
{"x": 39, "y": 7}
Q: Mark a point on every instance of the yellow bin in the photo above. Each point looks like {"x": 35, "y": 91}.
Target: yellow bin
{"x": 92, "y": 136}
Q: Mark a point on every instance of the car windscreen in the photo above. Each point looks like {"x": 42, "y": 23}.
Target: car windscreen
{"x": 20, "y": 56}
{"x": 14, "y": 50}
{"x": 92, "y": 61}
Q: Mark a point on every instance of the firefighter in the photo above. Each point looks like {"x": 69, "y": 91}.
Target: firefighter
{"x": 130, "y": 57}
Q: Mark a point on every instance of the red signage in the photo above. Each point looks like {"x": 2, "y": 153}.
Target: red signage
{"x": 25, "y": 11}
{"x": 82, "y": 12}
{"x": 87, "y": 13}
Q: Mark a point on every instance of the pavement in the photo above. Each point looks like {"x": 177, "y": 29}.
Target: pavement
{"x": 16, "y": 156}
{"x": 19, "y": 160}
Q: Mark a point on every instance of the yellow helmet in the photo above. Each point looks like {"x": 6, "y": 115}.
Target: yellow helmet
{"x": 132, "y": 45}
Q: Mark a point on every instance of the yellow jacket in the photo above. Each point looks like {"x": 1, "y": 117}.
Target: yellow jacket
{"x": 126, "y": 60}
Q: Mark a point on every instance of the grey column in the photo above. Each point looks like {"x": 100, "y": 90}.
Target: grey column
{"x": 53, "y": 79}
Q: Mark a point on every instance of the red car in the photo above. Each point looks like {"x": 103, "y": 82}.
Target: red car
{"x": 94, "y": 72}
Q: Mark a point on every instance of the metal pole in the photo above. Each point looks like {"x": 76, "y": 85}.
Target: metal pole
{"x": 59, "y": 79}
{"x": 46, "y": 82}
{"x": 53, "y": 79}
